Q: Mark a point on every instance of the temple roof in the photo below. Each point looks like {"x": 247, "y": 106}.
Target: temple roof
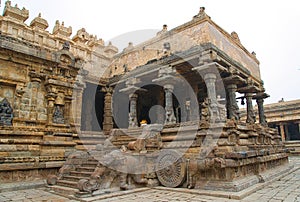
{"x": 198, "y": 31}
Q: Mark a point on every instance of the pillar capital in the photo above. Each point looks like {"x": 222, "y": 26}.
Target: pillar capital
{"x": 210, "y": 76}
{"x": 231, "y": 87}
{"x": 133, "y": 96}
{"x": 169, "y": 87}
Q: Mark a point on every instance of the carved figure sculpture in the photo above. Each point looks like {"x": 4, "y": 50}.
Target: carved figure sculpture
{"x": 194, "y": 166}
{"x": 6, "y": 113}
{"x": 116, "y": 163}
{"x": 73, "y": 161}
{"x": 150, "y": 136}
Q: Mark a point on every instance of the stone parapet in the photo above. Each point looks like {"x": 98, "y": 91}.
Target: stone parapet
{"x": 82, "y": 44}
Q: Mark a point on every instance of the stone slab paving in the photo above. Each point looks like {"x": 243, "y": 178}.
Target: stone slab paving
{"x": 286, "y": 189}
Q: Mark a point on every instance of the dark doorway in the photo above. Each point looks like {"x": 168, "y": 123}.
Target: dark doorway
{"x": 292, "y": 131}
{"x": 151, "y": 105}
{"x": 92, "y": 108}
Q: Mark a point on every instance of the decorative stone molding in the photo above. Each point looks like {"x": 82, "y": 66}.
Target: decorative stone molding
{"x": 39, "y": 23}
{"x": 61, "y": 30}
{"x": 15, "y": 13}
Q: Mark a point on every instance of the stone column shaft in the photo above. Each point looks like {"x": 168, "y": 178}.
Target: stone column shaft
{"x": 232, "y": 107}
{"x": 50, "y": 109}
{"x": 281, "y": 126}
{"x": 35, "y": 83}
{"x": 250, "y": 111}
{"x": 108, "y": 120}
{"x": 67, "y": 111}
{"x": 77, "y": 107}
{"x": 210, "y": 81}
{"x": 261, "y": 113}
{"x": 170, "y": 116}
{"x": 132, "y": 112}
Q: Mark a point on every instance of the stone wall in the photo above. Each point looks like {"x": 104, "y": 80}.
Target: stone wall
{"x": 96, "y": 54}
{"x": 42, "y": 79}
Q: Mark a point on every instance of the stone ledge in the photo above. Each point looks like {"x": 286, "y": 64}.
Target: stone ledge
{"x": 30, "y": 165}
{"x": 5, "y": 187}
{"x": 235, "y": 195}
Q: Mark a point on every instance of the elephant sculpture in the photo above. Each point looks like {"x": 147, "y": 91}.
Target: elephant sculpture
{"x": 117, "y": 164}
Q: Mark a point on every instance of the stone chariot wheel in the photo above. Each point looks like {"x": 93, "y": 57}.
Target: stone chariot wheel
{"x": 170, "y": 168}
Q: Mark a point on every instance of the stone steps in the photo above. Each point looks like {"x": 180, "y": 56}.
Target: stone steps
{"x": 67, "y": 183}
{"x": 74, "y": 178}
{"x": 80, "y": 174}
{"x": 86, "y": 169}
{"x": 64, "y": 190}
{"x": 294, "y": 147}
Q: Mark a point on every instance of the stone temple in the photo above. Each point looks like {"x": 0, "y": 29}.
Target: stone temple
{"x": 93, "y": 120}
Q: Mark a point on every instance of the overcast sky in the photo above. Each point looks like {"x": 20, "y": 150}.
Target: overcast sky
{"x": 270, "y": 28}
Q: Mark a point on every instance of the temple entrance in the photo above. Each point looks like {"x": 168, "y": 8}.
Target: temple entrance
{"x": 292, "y": 131}
{"x": 92, "y": 108}
{"x": 151, "y": 105}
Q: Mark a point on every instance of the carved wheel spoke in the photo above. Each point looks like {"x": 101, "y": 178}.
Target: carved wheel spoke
{"x": 170, "y": 168}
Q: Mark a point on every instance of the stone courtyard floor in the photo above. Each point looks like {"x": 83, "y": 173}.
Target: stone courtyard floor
{"x": 286, "y": 189}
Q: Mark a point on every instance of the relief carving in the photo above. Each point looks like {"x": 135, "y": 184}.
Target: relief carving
{"x": 6, "y": 113}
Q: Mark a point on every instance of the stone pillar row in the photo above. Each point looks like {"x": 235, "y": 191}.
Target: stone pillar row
{"x": 210, "y": 77}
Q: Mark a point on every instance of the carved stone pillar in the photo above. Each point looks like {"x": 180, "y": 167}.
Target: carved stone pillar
{"x": 132, "y": 112}
{"x": 250, "y": 111}
{"x": 232, "y": 107}
{"x": 261, "y": 113}
{"x": 170, "y": 116}
{"x": 77, "y": 108}
{"x": 260, "y": 105}
{"x": 67, "y": 110}
{"x": 282, "y": 132}
{"x": 210, "y": 81}
{"x": 77, "y": 101}
{"x": 108, "y": 118}
{"x": 166, "y": 78}
{"x": 50, "y": 107}
{"x": 35, "y": 85}
{"x": 88, "y": 115}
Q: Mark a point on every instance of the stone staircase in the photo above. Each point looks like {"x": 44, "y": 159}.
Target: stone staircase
{"x": 87, "y": 140}
{"x": 67, "y": 185}
{"x": 84, "y": 165}
{"x": 293, "y": 146}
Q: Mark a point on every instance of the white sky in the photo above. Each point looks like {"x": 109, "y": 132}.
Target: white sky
{"x": 270, "y": 28}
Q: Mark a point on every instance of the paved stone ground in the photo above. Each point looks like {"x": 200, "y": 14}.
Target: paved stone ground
{"x": 286, "y": 189}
